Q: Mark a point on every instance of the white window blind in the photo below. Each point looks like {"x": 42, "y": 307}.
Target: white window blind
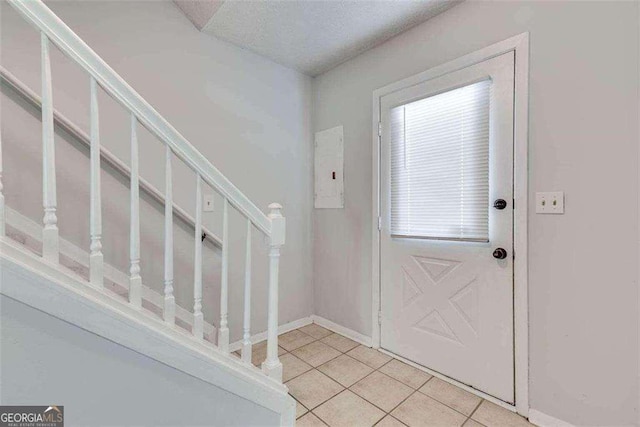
{"x": 440, "y": 165}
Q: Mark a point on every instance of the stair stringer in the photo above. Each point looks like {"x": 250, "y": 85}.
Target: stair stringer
{"x": 48, "y": 288}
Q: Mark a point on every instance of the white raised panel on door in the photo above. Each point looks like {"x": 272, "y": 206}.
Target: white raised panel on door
{"x": 329, "y": 168}
{"x": 447, "y": 304}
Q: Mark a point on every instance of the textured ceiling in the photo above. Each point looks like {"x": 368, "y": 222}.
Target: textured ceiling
{"x": 199, "y": 11}
{"x": 314, "y": 36}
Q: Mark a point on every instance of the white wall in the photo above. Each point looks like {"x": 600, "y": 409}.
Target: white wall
{"x": 100, "y": 383}
{"x": 249, "y": 116}
{"x": 583, "y": 278}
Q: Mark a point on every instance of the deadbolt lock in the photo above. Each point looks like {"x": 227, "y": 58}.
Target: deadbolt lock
{"x": 500, "y": 204}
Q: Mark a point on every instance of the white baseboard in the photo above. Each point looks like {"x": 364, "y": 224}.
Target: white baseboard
{"x": 543, "y": 420}
{"x": 349, "y": 333}
{"x": 237, "y": 345}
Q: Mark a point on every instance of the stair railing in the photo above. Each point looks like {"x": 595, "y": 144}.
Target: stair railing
{"x": 101, "y": 76}
{"x": 107, "y": 157}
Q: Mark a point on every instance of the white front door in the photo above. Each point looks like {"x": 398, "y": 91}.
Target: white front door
{"x": 446, "y": 253}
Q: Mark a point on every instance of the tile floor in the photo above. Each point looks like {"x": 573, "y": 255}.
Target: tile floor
{"x": 338, "y": 382}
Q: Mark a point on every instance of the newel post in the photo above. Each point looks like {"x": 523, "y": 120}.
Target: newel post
{"x": 272, "y": 366}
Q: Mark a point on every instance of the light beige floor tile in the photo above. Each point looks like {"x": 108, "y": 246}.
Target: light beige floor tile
{"x": 420, "y": 410}
{"x": 261, "y": 347}
{"x": 309, "y": 420}
{"x": 381, "y": 390}
{"x": 292, "y": 366}
{"x": 369, "y": 356}
{"x": 300, "y": 409}
{"x": 294, "y": 339}
{"x": 315, "y": 331}
{"x": 312, "y": 388}
{"x": 471, "y": 423}
{"x": 492, "y": 415}
{"x": 340, "y": 342}
{"x": 316, "y": 353}
{"x": 346, "y": 370}
{"x": 409, "y": 375}
{"x": 348, "y": 410}
{"x": 389, "y": 421}
{"x": 450, "y": 395}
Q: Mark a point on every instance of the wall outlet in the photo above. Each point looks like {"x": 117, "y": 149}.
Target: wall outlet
{"x": 207, "y": 203}
{"x": 550, "y": 202}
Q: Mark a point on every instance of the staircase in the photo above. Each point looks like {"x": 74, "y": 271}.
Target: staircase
{"x": 121, "y": 297}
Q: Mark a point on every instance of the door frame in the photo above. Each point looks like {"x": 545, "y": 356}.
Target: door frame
{"x": 520, "y": 45}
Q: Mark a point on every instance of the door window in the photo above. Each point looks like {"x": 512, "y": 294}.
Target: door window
{"x": 440, "y": 165}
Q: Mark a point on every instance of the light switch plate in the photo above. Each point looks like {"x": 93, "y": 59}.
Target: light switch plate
{"x": 207, "y": 203}
{"x": 550, "y": 202}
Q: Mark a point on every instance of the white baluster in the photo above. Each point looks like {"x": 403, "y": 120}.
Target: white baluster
{"x": 272, "y": 366}
{"x": 135, "y": 281}
{"x": 96, "y": 276}
{"x": 50, "y": 245}
{"x": 169, "y": 312}
{"x": 198, "y": 320}
{"x": 2, "y": 217}
{"x": 246, "y": 336}
{"x": 223, "y": 330}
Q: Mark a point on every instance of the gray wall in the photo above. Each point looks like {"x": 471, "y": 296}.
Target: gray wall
{"x": 248, "y": 115}
{"x": 100, "y": 383}
{"x": 583, "y": 277}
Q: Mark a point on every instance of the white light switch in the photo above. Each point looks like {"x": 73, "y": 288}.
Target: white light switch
{"x": 207, "y": 205}
{"x": 550, "y": 202}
